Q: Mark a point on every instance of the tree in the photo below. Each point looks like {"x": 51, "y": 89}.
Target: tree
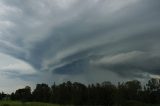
{"x": 106, "y": 93}
{"x": 23, "y": 94}
{"x": 12, "y": 96}
{"x": 153, "y": 84}
{"x": 133, "y": 88}
{"x": 2, "y": 95}
{"x": 153, "y": 90}
{"x": 42, "y": 93}
{"x": 53, "y": 93}
{"x": 79, "y": 93}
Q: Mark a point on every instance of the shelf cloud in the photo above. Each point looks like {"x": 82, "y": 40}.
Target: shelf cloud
{"x": 87, "y": 41}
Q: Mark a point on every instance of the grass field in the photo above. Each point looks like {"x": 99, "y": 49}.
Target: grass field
{"x": 135, "y": 103}
{"x": 17, "y": 103}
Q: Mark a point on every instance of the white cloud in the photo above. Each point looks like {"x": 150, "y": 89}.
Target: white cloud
{"x": 6, "y": 24}
{"x": 119, "y": 58}
{"x": 11, "y": 65}
{"x": 9, "y": 85}
{"x": 5, "y": 9}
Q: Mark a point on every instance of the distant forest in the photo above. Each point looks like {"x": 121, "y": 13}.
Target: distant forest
{"x": 77, "y": 93}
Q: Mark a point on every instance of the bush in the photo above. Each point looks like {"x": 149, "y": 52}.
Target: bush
{"x": 5, "y": 105}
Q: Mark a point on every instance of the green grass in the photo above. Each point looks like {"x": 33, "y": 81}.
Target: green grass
{"x": 17, "y": 103}
{"x": 136, "y": 103}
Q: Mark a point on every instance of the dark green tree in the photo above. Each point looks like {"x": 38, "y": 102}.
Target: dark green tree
{"x": 42, "y": 93}
{"x": 23, "y": 94}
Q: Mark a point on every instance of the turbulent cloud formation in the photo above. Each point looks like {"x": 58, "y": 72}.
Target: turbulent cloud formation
{"x": 87, "y": 41}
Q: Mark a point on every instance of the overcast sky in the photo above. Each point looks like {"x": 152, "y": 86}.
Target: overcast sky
{"x": 79, "y": 40}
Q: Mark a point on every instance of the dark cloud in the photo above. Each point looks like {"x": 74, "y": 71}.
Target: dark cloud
{"x": 73, "y": 37}
{"x": 75, "y": 67}
{"x": 131, "y": 64}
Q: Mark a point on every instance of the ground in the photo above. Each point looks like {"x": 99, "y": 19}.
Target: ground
{"x": 17, "y": 103}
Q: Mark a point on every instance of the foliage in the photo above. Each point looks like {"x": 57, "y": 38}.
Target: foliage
{"x": 130, "y": 93}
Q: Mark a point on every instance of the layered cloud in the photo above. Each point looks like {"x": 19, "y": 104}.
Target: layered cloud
{"x": 88, "y": 41}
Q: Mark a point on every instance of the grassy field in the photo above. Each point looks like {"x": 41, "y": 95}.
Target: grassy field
{"x": 135, "y": 103}
{"x": 17, "y": 103}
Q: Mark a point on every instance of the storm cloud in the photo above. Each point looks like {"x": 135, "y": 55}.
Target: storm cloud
{"x": 87, "y": 41}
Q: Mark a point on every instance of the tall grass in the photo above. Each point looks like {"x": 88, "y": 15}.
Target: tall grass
{"x": 17, "y": 103}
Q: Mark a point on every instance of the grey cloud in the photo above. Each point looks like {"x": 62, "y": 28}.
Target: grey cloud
{"x": 131, "y": 64}
{"x": 64, "y": 38}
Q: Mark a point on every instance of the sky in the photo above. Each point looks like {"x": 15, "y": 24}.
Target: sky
{"x": 89, "y": 41}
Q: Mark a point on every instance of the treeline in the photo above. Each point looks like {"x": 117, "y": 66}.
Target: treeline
{"x": 105, "y": 93}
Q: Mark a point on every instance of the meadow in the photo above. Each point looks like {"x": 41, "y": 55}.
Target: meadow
{"x": 18, "y": 103}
